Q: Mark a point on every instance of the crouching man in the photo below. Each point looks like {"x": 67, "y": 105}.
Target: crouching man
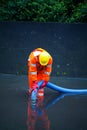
{"x": 39, "y": 68}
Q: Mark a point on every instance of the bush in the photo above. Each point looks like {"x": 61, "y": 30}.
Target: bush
{"x": 43, "y": 11}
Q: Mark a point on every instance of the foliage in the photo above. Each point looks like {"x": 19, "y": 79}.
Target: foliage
{"x": 67, "y": 11}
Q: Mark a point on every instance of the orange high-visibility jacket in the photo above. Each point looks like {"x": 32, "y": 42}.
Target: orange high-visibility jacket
{"x": 36, "y": 72}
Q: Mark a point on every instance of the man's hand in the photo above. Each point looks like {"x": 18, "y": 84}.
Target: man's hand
{"x": 44, "y": 84}
{"x": 35, "y": 86}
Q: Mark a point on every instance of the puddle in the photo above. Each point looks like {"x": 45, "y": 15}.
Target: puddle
{"x": 56, "y": 112}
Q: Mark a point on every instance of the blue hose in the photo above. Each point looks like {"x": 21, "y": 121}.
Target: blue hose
{"x": 58, "y": 89}
{"x": 65, "y": 90}
{"x": 34, "y": 93}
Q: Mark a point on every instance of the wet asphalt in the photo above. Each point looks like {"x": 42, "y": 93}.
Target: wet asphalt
{"x": 62, "y": 113}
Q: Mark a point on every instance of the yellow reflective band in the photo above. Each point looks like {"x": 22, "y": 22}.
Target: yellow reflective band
{"x": 28, "y": 59}
{"x": 48, "y": 73}
{"x": 33, "y": 73}
{"x": 36, "y": 53}
{"x": 33, "y": 65}
{"x": 49, "y": 65}
{"x": 40, "y": 94}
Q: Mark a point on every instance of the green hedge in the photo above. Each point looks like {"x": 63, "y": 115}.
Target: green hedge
{"x": 67, "y": 11}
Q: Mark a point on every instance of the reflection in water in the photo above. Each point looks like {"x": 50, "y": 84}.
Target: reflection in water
{"x": 37, "y": 118}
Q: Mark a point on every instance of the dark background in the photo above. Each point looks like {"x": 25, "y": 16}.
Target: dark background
{"x": 67, "y": 43}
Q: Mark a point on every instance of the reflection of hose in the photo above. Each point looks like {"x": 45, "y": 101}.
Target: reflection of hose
{"x": 65, "y": 90}
{"x": 55, "y": 100}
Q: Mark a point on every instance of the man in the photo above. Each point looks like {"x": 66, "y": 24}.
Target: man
{"x": 39, "y": 68}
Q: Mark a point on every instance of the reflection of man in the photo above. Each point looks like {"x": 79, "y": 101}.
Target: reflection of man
{"x": 39, "y": 68}
{"x": 37, "y": 117}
